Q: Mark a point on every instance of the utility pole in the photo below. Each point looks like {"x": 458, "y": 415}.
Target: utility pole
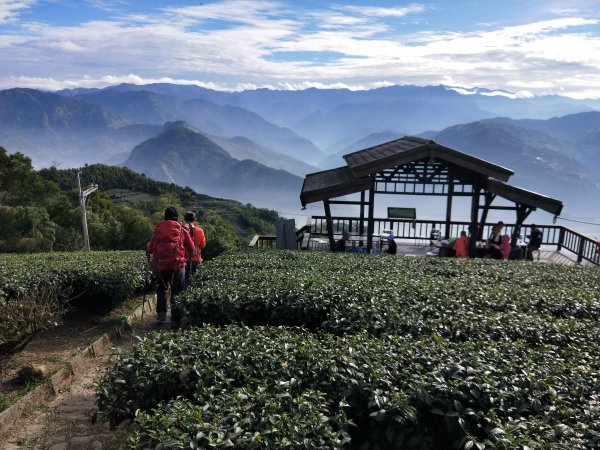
{"x": 83, "y": 195}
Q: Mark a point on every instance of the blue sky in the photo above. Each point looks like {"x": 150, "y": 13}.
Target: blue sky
{"x": 524, "y": 47}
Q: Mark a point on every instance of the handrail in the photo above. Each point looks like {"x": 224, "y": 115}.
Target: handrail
{"x": 270, "y": 241}
{"x": 583, "y": 247}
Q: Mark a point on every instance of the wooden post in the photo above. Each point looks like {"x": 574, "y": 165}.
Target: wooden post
{"x": 371, "y": 225}
{"x": 362, "y": 213}
{"x": 329, "y": 225}
{"x": 561, "y": 238}
{"x": 449, "y": 208}
{"x": 474, "y": 216}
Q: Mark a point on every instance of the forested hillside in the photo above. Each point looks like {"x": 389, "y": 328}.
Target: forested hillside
{"x": 40, "y": 211}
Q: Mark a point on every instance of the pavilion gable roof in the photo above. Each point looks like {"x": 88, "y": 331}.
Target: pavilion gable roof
{"x": 331, "y": 183}
{"x": 525, "y": 197}
{"x": 410, "y": 148}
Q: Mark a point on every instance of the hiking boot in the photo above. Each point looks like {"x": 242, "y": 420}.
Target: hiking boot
{"x": 161, "y": 317}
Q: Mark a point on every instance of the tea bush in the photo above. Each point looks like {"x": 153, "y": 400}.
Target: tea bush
{"x": 35, "y": 289}
{"x": 374, "y": 352}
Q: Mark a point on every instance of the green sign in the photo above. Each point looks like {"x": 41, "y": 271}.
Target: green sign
{"x": 402, "y": 213}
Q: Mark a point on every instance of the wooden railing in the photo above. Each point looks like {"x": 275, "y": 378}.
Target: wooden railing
{"x": 270, "y": 240}
{"x": 421, "y": 231}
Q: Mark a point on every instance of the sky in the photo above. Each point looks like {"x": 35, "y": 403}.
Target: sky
{"x": 518, "y": 48}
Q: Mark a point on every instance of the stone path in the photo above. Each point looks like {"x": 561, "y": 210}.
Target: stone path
{"x": 64, "y": 422}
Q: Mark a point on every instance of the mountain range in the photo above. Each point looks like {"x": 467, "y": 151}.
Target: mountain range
{"x": 255, "y": 146}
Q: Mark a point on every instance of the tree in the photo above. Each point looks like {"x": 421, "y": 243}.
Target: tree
{"x": 20, "y": 185}
{"x": 220, "y": 236}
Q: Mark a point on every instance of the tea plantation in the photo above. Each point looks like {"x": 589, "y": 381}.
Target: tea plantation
{"x": 325, "y": 350}
{"x": 37, "y": 288}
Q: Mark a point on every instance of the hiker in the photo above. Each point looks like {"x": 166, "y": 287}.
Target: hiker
{"x": 197, "y": 234}
{"x": 535, "y": 241}
{"x": 461, "y": 245}
{"x": 494, "y": 241}
{"x": 392, "y": 247}
{"x": 340, "y": 245}
{"x": 169, "y": 246}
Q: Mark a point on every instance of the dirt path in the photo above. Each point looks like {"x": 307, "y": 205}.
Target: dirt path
{"x": 64, "y": 421}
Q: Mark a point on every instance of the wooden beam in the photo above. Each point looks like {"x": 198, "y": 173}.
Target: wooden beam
{"x": 489, "y": 198}
{"x": 361, "y": 226}
{"x": 474, "y": 216}
{"x": 329, "y": 225}
{"x": 449, "y": 207}
{"x": 371, "y": 223}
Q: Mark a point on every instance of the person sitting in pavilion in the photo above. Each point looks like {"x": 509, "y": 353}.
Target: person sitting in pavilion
{"x": 340, "y": 245}
{"x": 392, "y": 247}
{"x": 461, "y": 245}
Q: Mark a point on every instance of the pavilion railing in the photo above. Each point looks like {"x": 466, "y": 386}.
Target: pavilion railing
{"x": 422, "y": 231}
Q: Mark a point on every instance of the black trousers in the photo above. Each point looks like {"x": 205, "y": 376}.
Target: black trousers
{"x": 174, "y": 279}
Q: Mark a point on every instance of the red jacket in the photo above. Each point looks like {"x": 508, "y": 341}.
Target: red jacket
{"x": 461, "y": 247}
{"x": 170, "y": 245}
{"x": 199, "y": 240}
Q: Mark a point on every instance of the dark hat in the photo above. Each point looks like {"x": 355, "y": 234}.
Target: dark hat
{"x": 171, "y": 213}
{"x": 189, "y": 216}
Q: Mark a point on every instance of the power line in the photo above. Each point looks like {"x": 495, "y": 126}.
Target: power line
{"x": 579, "y": 221}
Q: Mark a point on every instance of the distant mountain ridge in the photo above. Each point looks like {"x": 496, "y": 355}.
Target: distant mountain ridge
{"x": 183, "y": 156}
{"x": 334, "y": 118}
{"x": 297, "y": 132}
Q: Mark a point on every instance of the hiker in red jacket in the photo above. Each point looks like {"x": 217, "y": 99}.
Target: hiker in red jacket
{"x": 197, "y": 234}
{"x": 169, "y": 247}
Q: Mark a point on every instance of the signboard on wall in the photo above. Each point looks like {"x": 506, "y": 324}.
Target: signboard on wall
{"x": 402, "y": 213}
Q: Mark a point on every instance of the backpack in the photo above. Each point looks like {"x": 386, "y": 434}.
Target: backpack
{"x": 168, "y": 251}
{"x": 195, "y": 251}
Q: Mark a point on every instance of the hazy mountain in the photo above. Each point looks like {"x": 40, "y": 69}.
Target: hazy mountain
{"x": 183, "y": 156}
{"x": 255, "y": 183}
{"x": 53, "y": 129}
{"x": 227, "y": 121}
{"x": 242, "y": 148}
{"x": 180, "y": 155}
{"x": 541, "y": 162}
{"x": 581, "y": 130}
{"x": 231, "y": 121}
{"x": 337, "y": 159}
{"x": 137, "y": 106}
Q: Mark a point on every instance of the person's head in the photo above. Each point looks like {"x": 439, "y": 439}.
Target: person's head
{"x": 345, "y": 235}
{"x": 189, "y": 217}
{"x": 533, "y": 226}
{"x": 171, "y": 213}
{"x": 390, "y": 237}
{"x": 463, "y": 233}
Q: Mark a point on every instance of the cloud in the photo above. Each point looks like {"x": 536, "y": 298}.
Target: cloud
{"x": 230, "y": 44}
{"x": 375, "y": 11}
{"x": 10, "y": 9}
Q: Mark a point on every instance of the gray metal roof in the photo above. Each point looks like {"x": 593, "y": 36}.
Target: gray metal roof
{"x": 356, "y": 176}
{"x": 331, "y": 183}
{"x": 525, "y": 197}
{"x": 410, "y": 148}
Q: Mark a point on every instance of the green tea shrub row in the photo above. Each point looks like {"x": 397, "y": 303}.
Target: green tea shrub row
{"x": 35, "y": 289}
{"x": 456, "y": 299}
{"x": 108, "y": 277}
{"x": 279, "y": 387}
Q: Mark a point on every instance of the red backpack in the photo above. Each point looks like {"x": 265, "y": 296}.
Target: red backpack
{"x": 168, "y": 251}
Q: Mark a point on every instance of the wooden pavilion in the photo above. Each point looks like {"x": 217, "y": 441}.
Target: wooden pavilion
{"x": 416, "y": 166}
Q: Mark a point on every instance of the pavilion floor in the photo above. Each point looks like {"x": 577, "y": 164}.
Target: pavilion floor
{"x": 546, "y": 255}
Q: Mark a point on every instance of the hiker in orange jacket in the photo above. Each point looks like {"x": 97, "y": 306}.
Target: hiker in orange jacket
{"x": 197, "y": 234}
{"x": 169, "y": 246}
